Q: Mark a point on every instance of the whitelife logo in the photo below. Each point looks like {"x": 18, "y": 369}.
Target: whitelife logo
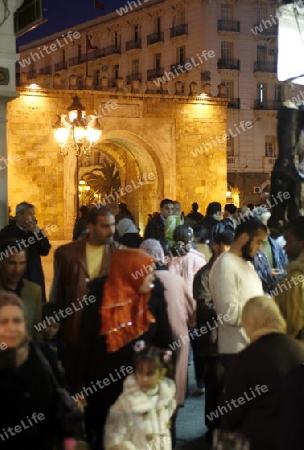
{"x": 49, "y": 49}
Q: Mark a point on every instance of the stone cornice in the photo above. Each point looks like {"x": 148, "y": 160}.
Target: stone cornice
{"x": 123, "y": 96}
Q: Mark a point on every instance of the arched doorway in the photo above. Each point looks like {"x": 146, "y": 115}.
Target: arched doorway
{"x": 141, "y": 177}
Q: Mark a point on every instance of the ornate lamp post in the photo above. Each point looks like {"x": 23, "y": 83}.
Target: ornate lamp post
{"x": 76, "y": 132}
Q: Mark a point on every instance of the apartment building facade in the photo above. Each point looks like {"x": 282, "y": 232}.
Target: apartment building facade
{"x": 222, "y": 48}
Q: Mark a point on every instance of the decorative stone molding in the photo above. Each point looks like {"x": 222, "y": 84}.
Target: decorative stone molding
{"x": 104, "y": 84}
{"x": 89, "y": 82}
{"x": 207, "y": 88}
{"x": 135, "y": 86}
{"x": 179, "y": 88}
{"x": 73, "y": 81}
{"x": 57, "y": 80}
{"x": 221, "y": 90}
{"x": 151, "y": 88}
{"x": 193, "y": 89}
{"x": 119, "y": 85}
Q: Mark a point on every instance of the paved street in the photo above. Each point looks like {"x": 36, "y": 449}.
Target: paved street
{"x": 190, "y": 427}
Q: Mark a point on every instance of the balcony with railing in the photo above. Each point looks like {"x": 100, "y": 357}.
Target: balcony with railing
{"x": 154, "y": 73}
{"x": 230, "y": 64}
{"x": 94, "y": 54}
{"x": 265, "y": 29}
{"x": 228, "y": 25}
{"x": 133, "y": 76}
{"x": 234, "y": 103}
{"x": 62, "y": 65}
{"x": 133, "y": 44}
{"x": 107, "y": 51}
{"x": 154, "y": 38}
{"x": 179, "y": 30}
{"x": 47, "y": 70}
{"x": 77, "y": 60}
{"x": 265, "y": 66}
{"x": 267, "y": 105}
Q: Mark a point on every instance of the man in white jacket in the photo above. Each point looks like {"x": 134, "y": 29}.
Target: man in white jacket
{"x": 233, "y": 281}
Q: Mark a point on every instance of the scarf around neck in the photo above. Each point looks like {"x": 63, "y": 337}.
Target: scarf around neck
{"x": 12, "y": 358}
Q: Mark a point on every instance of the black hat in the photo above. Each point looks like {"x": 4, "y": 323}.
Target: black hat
{"x": 225, "y": 237}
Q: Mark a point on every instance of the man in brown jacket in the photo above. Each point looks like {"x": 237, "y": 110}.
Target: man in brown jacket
{"x": 75, "y": 264}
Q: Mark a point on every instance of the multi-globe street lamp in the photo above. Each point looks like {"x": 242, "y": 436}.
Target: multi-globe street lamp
{"x": 77, "y": 132}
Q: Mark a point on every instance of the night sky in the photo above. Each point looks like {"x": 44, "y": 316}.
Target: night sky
{"x": 63, "y": 14}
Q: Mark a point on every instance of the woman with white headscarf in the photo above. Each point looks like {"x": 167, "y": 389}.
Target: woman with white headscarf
{"x": 254, "y": 384}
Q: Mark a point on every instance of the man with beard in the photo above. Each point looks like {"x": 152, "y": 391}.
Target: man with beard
{"x": 233, "y": 281}
{"x": 289, "y": 292}
{"x": 75, "y": 264}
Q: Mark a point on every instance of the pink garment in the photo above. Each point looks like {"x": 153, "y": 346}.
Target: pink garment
{"x": 181, "y": 313}
{"x": 187, "y": 266}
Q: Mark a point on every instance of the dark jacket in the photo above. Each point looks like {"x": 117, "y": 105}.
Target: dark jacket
{"x": 263, "y": 269}
{"x": 206, "y": 343}
{"x": 292, "y": 429}
{"x": 213, "y": 227}
{"x": 155, "y": 229}
{"x": 30, "y": 293}
{"x": 37, "y": 245}
{"x": 131, "y": 240}
{"x": 95, "y": 363}
{"x": 265, "y": 362}
{"x": 26, "y": 390}
{"x": 195, "y": 217}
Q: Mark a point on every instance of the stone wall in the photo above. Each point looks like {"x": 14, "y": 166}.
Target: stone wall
{"x": 173, "y": 138}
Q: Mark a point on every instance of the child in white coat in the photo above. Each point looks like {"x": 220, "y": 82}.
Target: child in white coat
{"x": 140, "y": 418}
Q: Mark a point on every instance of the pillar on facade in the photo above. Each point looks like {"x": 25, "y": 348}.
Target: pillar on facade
{"x": 8, "y": 59}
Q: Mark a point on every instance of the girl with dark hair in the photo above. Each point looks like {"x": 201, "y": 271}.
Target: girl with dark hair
{"x": 141, "y": 416}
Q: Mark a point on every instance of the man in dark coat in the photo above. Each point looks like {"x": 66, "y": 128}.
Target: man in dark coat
{"x": 30, "y": 237}
{"x": 11, "y": 272}
{"x": 212, "y": 221}
{"x": 155, "y": 228}
{"x": 75, "y": 264}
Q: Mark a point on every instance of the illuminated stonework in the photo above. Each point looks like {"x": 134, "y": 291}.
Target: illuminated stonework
{"x": 173, "y": 140}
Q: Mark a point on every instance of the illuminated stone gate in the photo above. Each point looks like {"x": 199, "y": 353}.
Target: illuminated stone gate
{"x": 171, "y": 139}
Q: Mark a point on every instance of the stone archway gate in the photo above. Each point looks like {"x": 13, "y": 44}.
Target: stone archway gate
{"x": 180, "y": 140}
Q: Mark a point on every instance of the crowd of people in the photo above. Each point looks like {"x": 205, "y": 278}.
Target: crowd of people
{"x": 105, "y": 360}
